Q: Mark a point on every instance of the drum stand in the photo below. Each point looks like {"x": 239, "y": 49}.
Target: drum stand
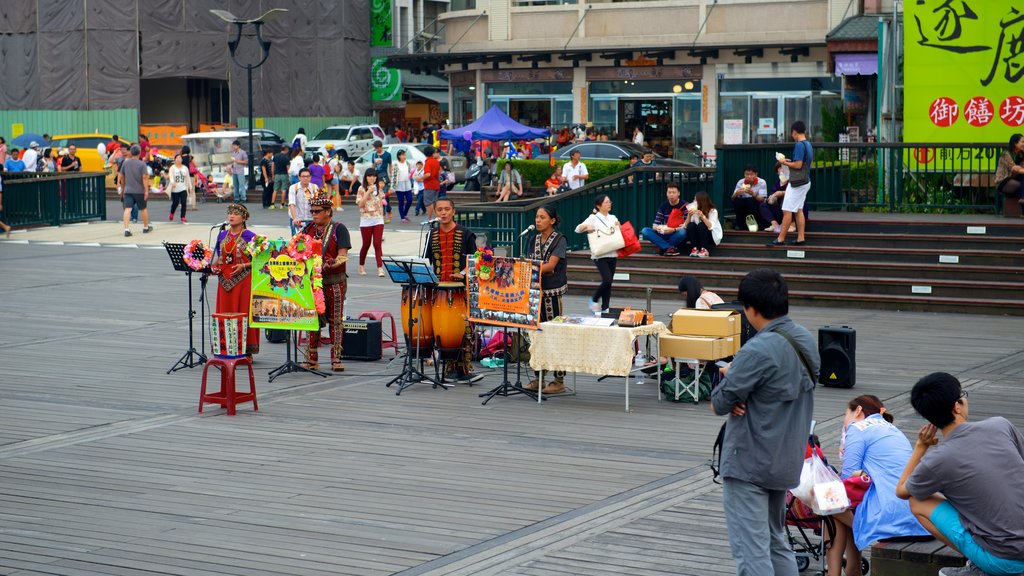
{"x": 412, "y": 366}
{"x": 192, "y": 357}
{"x": 507, "y": 388}
{"x": 290, "y": 365}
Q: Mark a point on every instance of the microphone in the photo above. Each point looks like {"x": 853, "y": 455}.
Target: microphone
{"x": 221, "y": 225}
{"x": 529, "y": 229}
{"x": 431, "y": 221}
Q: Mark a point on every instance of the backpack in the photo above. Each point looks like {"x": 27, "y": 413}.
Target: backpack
{"x": 328, "y": 173}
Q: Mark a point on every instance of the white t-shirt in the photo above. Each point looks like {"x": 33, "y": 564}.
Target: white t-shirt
{"x": 403, "y": 176}
{"x": 417, "y": 185}
{"x": 296, "y": 166}
{"x": 178, "y": 178}
{"x": 297, "y": 197}
{"x": 29, "y": 158}
{"x": 568, "y": 170}
{"x": 638, "y": 138}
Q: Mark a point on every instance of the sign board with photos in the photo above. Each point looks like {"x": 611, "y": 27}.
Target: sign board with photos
{"x": 504, "y": 292}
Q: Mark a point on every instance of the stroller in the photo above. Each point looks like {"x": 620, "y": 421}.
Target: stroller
{"x": 807, "y": 530}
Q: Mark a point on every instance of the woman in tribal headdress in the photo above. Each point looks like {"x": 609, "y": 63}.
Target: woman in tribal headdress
{"x": 549, "y": 246}
{"x": 234, "y": 266}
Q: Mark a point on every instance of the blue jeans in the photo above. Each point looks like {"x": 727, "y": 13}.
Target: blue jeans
{"x": 420, "y": 208}
{"x": 238, "y": 180}
{"x": 664, "y": 241}
{"x": 404, "y": 202}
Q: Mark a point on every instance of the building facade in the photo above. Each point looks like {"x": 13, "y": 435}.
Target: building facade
{"x": 692, "y": 74}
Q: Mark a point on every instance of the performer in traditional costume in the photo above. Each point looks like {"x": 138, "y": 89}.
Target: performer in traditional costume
{"x": 549, "y": 246}
{"x": 334, "y": 239}
{"x": 448, "y": 249}
{"x": 234, "y": 267}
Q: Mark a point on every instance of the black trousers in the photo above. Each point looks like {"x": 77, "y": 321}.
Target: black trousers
{"x": 606, "y": 267}
{"x": 744, "y": 206}
{"x": 268, "y": 193}
{"x": 179, "y": 198}
{"x": 700, "y": 236}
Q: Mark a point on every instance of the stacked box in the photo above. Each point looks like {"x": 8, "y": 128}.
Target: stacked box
{"x": 703, "y": 334}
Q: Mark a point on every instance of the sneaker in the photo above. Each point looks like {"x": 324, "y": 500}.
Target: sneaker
{"x": 659, "y": 251}
{"x": 671, "y": 252}
{"x": 595, "y": 307}
{"x": 135, "y": 220}
{"x": 469, "y": 378}
{"x": 387, "y": 220}
{"x": 127, "y": 233}
{"x": 380, "y": 272}
{"x": 184, "y": 220}
{"x": 147, "y": 229}
{"x": 362, "y": 271}
{"x": 555, "y": 387}
{"x": 703, "y": 253}
{"x": 272, "y": 207}
{"x": 967, "y": 570}
{"x": 171, "y": 217}
{"x": 694, "y": 253}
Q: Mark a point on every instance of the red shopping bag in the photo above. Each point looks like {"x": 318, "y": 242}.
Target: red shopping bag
{"x": 632, "y": 242}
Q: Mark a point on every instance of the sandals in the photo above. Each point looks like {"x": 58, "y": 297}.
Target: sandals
{"x": 310, "y": 365}
{"x": 337, "y": 367}
{"x": 775, "y": 243}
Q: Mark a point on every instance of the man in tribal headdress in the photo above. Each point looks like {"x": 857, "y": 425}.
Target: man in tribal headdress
{"x": 335, "y": 242}
{"x": 448, "y": 249}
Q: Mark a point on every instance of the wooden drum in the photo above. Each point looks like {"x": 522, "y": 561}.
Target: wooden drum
{"x": 450, "y": 312}
{"x": 228, "y": 331}
{"x": 422, "y": 336}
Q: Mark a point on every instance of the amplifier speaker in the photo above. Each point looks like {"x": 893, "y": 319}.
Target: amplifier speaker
{"x": 746, "y": 330}
{"x": 837, "y": 346}
{"x": 361, "y": 340}
{"x": 276, "y": 336}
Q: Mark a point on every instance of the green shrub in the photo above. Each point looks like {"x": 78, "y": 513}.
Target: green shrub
{"x": 537, "y": 171}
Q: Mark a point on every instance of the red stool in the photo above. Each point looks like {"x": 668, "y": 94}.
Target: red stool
{"x": 386, "y": 340}
{"x": 227, "y": 396}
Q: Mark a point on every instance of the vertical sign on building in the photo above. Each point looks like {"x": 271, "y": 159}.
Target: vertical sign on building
{"x": 381, "y": 23}
{"x": 385, "y": 82}
{"x": 984, "y": 42}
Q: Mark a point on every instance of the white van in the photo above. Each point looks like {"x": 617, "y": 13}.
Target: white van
{"x": 350, "y": 140}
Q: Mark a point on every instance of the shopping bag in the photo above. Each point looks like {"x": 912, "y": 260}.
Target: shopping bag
{"x": 632, "y": 242}
{"x": 821, "y": 488}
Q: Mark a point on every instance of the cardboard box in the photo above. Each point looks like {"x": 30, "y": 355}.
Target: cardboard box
{"x": 699, "y": 347}
{"x": 691, "y": 322}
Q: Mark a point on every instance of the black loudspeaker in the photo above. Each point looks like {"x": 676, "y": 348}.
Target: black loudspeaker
{"x": 361, "y": 340}
{"x": 837, "y": 346}
{"x": 276, "y": 336}
{"x": 746, "y": 330}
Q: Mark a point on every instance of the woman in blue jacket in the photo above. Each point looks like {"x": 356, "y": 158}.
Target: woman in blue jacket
{"x": 871, "y": 446}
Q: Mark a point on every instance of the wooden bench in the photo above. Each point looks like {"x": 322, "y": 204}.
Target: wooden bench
{"x": 912, "y": 558}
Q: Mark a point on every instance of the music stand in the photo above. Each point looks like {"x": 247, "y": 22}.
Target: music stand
{"x": 291, "y": 363}
{"x": 192, "y": 357}
{"x": 416, "y": 274}
{"x": 508, "y": 388}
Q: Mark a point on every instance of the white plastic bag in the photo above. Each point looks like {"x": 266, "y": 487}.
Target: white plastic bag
{"x": 821, "y": 488}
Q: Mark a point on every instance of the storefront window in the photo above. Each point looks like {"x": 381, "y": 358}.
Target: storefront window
{"x": 762, "y": 110}
{"x": 465, "y": 105}
{"x": 537, "y": 104}
{"x": 667, "y": 112}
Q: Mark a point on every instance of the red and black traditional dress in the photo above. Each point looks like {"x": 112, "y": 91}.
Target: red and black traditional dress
{"x": 449, "y": 252}
{"x": 235, "y": 288}
{"x": 333, "y": 237}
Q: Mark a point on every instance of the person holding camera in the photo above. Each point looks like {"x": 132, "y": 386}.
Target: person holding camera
{"x": 371, "y": 220}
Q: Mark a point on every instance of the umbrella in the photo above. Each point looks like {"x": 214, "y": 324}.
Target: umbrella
{"x": 27, "y": 138}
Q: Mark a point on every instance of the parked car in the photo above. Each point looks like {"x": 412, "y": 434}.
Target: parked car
{"x": 268, "y": 139}
{"x": 414, "y": 153}
{"x": 86, "y": 144}
{"x": 351, "y": 140}
{"x": 613, "y": 150}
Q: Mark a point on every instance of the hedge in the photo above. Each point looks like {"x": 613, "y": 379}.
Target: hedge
{"x": 537, "y": 171}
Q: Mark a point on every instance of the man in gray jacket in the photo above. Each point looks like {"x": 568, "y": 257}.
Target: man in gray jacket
{"x": 768, "y": 393}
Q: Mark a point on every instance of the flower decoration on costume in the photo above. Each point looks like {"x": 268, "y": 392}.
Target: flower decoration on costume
{"x": 257, "y": 245}
{"x": 484, "y": 259}
{"x": 300, "y": 248}
{"x": 198, "y": 255}
{"x": 318, "y": 284}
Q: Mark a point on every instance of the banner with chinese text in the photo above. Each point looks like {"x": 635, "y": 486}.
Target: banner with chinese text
{"x": 962, "y": 73}
{"x": 508, "y": 296}
{"x": 381, "y": 23}
{"x": 282, "y": 291}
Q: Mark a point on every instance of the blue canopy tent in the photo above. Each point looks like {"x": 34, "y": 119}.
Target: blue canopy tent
{"x": 495, "y": 125}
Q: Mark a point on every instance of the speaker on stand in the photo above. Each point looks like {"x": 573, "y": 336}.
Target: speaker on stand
{"x": 837, "y": 346}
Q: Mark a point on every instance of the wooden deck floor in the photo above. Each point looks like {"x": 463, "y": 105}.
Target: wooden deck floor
{"x": 106, "y": 468}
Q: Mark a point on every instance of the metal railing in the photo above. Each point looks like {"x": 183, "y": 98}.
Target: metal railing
{"x": 880, "y": 177}
{"x": 636, "y": 195}
{"x": 48, "y": 199}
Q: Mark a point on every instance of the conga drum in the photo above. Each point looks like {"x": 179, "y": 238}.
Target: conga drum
{"x": 450, "y": 313}
{"x": 422, "y": 335}
{"x": 228, "y": 331}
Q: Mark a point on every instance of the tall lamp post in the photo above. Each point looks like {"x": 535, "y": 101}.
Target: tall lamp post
{"x": 264, "y": 45}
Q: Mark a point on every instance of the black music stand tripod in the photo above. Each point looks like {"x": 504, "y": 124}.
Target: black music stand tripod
{"x": 508, "y": 388}
{"x": 291, "y": 360}
{"x": 415, "y": 275}
{"x": 192, "y": 357}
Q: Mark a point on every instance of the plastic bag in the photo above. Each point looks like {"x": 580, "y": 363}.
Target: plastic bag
{"x": 821, "y": 489}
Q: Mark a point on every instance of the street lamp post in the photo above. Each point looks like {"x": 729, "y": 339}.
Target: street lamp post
{"x": 264, "y": 45}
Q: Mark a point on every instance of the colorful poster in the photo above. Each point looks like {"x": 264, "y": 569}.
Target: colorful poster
{"x": 386, "y": 83}
{"x": 505, "y": 293}
{"x": 962, "y": 73}
{"x": 381, "y": 23}
{"x": 282, "y": 291}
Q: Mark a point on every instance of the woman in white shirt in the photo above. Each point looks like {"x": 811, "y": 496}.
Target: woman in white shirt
{"x": 401, "y": 175}
{"x": 370, "y": 200}
{"x": 638, "y": 136}
{"x": 295, "y": 166}
{"x": 703, "y": 230}
{"x": 603, "y": 222}
{"x": 180, "y": 185}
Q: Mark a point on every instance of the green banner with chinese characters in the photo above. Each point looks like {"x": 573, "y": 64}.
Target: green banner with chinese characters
{"x": 386, "y": 82}
{"x": 962, "y": 71}
{"x": 381, "y": 23}
{"x": 282, "y": 291}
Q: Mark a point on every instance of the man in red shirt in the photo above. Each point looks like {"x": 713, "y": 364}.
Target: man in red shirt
{"x": 431, "y": 180}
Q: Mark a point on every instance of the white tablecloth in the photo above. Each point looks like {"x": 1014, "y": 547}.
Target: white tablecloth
{"x": 596, "y": 350}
